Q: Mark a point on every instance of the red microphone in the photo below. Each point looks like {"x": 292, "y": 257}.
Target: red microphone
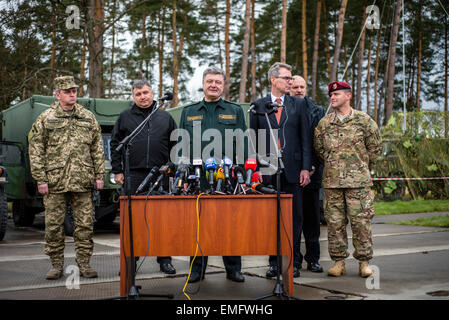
{"x": 250, "y": 167}
{"x": 255, "y": 178}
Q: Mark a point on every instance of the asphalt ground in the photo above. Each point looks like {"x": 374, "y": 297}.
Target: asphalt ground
{"x": 411, "y": 263}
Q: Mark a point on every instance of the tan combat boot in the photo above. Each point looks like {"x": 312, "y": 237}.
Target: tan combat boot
{"x": 338, "y": 269}
{"x": 87, "y": 271}
{"x": 364, "y": 270}
{"x": 55, "y": 272}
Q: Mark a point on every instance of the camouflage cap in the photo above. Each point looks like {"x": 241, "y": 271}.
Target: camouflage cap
{"x": 65, "y": 82}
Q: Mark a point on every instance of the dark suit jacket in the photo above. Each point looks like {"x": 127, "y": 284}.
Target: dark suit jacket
{"x": 294, "y": 133}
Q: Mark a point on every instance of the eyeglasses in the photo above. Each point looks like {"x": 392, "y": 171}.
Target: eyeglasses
{"x": 286, "y": 78}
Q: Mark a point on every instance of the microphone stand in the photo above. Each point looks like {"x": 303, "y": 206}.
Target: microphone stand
{"x": 134, "y": 290}
{"x": 278, "y": 290}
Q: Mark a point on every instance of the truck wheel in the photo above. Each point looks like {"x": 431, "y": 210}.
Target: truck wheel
{"x": 3, "y": 212}
{"x": 23, "y": 216}
{"x": 69, "y": 225}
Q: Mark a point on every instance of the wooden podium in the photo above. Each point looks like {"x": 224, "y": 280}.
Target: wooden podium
{"x": 229, "y": 225}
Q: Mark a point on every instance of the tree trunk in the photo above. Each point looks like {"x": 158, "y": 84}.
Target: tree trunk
{"x": 143, "y": 44}
{"x": 341, "y": 20}
{"x": 284, "y": 31}
{"x": 244, "y": 72}
{"x": 227, "y": 50}
{"x": 160, "y": 49}
{"x": 315, "y": 49}
{"x": 326, "y": 42}
{"x": 95, "y": 25}
{"x": 83, "y": 67}
{"x": 53, "y": 40}
{"x": 390, "y": 86}
{"x": 446, "y": 115}
{"x": 304, "y": 40}
{"x": 419, "y": 62}
{"x": 360, "y": 64}
{"x": 368, "y": 77}
{"x": 111, "y": 68}
{"x": 175, "y": 57}
{"x": 253, "y": 53}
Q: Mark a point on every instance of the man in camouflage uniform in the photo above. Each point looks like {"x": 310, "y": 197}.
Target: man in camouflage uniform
{"x": 67, "y": 158}
{"x": 348, "y": 142}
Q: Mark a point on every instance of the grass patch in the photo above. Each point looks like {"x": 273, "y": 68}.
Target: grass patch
{"x": 436, "y": 221}
{"x": 413, "y": 206}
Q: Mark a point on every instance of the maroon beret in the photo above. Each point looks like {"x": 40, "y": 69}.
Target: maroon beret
{"x": 338, "y": 85}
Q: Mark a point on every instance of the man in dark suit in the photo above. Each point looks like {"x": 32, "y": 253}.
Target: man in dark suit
{"x": 292, "y": 124}
{"x": 311, "y": 193}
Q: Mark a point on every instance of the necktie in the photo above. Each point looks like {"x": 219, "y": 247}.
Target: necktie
{"x": 279, "y": 113}
{"x": 278, "y": 118}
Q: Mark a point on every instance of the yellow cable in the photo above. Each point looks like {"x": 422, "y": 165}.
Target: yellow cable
{"x": 197, "y": 241}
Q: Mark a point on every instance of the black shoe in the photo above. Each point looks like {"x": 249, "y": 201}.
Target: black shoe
{"x": 314, "y": 267}
{"x": 195, "y": 277}
{"x": 167, "y": 268}
{"x": 235, "y": 276}
{"x": 296, "y": 272}
{"x": 272, "y": 272}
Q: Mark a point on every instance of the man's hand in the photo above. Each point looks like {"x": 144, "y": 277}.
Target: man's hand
{"x": 100, "y": 184}
{"x": 304, "y": 178}
{"x": 43, "y": 189}
{"x": 119, "y": 178}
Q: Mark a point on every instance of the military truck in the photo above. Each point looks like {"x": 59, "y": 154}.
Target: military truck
{"x": 22, "y": 189}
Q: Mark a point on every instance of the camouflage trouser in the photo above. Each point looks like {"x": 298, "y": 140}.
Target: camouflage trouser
{"x": 55, "y": 210}
{"x": 357, "y": 205}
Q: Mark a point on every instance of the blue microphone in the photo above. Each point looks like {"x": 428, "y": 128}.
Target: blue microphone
{"x": 226, "y": 163}
{"x": 210, "y": 165}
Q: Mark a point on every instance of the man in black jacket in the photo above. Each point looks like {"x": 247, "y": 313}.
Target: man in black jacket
{"x": 293, "y": 126}
{"x": 311, "y": 193}
{"x": 151, "y": 147}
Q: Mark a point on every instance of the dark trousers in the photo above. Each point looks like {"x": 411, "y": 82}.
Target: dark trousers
{"x": 297, "y": 191}
{"x": 311, "y": 225}
{"x": 231, "y": 263}
{"x": 137, "y": 176}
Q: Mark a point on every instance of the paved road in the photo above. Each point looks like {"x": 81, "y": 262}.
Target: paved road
{"x": 411, "y": 263}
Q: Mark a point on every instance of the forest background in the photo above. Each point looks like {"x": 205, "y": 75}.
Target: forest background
{"x": 106, "y": 44}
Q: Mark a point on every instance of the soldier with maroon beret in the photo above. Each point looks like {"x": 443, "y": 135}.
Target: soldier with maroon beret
{"x": 348, "y": 143}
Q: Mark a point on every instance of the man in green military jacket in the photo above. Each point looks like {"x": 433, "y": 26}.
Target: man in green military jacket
{"x": 67, "y": 159}
{"x": 348, "y": 142}
{"x": 229, "y": 123}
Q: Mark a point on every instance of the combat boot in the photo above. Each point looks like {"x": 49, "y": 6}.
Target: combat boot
{"x": 87, "y": 271}
{"x": 55, "y": 272}
{"x": 364, "y": 270}
{"x": 338, "y": 269}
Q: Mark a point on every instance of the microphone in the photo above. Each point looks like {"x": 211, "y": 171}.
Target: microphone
{"x": 255, "y": 177}
{"x": 167, "y": 96}
{"x": 261, "y": 188}
{"x": 210, "y": 165}
{"x": 198, "y": 165}
{"x": 252, "y": 108}
{"x": 270, "y": 105}
{"x": 147, "y": 179}
{"x": 220, "y": 177}
{"x": 238, "y": 174}
{"x": 181, "y": 174}
{"x": 165, "y": 170}
{"x": 250, "y": 167}
{"x": 226, "y": 163}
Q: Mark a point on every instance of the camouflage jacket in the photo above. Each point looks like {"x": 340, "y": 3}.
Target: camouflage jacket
{"x": 66, "y": 150}
{"x": 348, "y": 149}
